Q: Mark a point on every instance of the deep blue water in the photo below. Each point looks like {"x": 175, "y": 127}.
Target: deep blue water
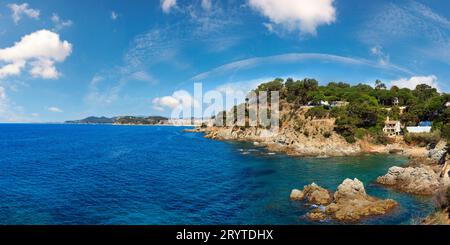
{"x": 93, "y": 174}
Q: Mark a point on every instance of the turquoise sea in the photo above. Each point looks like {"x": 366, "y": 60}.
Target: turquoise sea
{"x": 105, "y": 174}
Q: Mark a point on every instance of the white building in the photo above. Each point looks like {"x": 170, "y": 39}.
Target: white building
{"x": 395, "y": 101}
{"x": 423, "y": 127}
{"x": 418, "y": 129}
{"x": 392, "y": 127}
{"x": 339, "y": 103}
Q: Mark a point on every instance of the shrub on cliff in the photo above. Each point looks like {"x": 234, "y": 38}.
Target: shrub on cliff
{"x": 446, "y": 131}
{"x": 422, "y": 139}
{"x": 317, "y": 113}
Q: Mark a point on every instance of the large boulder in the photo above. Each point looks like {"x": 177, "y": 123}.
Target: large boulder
{"x": 297, "y": 195}
{"x": 418, "y": 180}
{"x": 350, "y": 202}
{"x": 350, "y": 189}
{"x": 354, "y": 210}
{"x": 313, "y": 194}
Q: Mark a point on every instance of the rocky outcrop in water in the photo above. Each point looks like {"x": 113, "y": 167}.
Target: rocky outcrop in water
{"x": 313, "y": 194}
{"x": 350, "y": 203}
{"x": 415, "y": 180}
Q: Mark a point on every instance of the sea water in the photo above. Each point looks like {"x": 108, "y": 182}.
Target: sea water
{"x": 106, "y": 174}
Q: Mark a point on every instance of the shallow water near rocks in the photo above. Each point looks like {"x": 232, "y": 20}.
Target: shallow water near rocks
{"x": 104, "y": 174}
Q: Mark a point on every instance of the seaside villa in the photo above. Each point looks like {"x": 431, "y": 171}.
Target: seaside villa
{"x": 339, "y": 103}
{"x": 423, "y": 127}
{"x": 395, "y": 101}
{"x": 392, "y": 127}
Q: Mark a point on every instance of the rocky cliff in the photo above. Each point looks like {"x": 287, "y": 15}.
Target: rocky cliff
{"x": 300, "y": 135}
{"x": 297, "y": 135}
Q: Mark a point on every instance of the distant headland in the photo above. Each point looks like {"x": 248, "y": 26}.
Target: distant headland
{"x": 123, "y": 120}
{"x": 139, "y": 120}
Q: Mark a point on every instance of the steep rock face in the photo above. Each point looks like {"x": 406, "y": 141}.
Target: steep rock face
{"x": 445, "y": 172}
{"x": 418, "y": 180}
{"x": 350, "y": 203}
{"x": 297, "y": 135}
{"x": 439, "y": 152}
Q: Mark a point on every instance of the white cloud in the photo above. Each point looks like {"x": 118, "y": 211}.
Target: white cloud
{"x": 96, "y": 96}
{"x": 180, "y": 98}
{"x": 54, "y": 109}
{"x": 44, "y": 68}
{"x": 41, "y": 49}
{"x": 8, "y": 111}
{"x": 297, "y": 15}
{"x": 114, "y": 15}
{"x": 412, "y": 82}
{"x": 377, "y": 51}
{"x": 11, "y": 69}
{"x": 59, "y": 23}
{"x": 166, "y": 101}
{"x": 2, "y": 94}
{"x": 20, "y": 10}
{"x": 294, "y": 57}
{"x": 142, "y": 76}
{"x": 4, "y": 107}
{"x": 167, "y": 5}
{"x": 406, "y": 25}
{"x": 206, "y": 5}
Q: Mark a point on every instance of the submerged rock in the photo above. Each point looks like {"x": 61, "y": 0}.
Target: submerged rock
{"x": 316, "y": 215}
{"x": 418, "y": 180}
{"x": 350, "y": 202}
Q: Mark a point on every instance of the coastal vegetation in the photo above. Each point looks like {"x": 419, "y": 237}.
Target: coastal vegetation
{"x": 361, "y": 110}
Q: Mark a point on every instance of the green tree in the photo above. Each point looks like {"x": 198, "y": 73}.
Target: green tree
{"x": 379, "y": 85}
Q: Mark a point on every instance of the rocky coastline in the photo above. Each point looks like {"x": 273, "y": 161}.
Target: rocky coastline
{"x": 322, "y": 142}
{"x": 423, "y": 175}
{"x": 427, "y": 172}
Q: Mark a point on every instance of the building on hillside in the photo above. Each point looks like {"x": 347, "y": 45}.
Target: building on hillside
{"x": 395, "y": 101}
{"x": 425, "y": 124}
{"x": 320, "y": 103}
{"x": 392, "y": 127}
{"x": 191, "y": 121}
{"x": 423, "y": 127}
{"x": 339, "y": 103}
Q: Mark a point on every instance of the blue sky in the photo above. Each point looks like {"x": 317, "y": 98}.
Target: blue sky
{"x": 62, "y": 60}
